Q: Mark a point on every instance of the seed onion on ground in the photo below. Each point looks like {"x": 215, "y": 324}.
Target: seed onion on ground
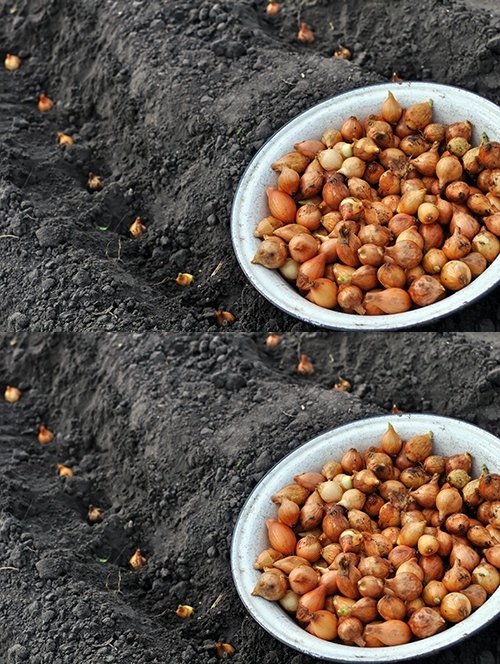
{"x": 384, "y": 545}
{"x": 409, "y": 199}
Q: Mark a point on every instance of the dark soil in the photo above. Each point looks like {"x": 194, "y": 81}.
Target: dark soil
{"x": 167, "y": 102}
{"x": 167, "y": 434}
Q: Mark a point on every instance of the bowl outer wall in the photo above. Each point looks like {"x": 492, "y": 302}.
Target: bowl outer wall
{"x": 249, "y": 537}
{"x": 249, "y": 205}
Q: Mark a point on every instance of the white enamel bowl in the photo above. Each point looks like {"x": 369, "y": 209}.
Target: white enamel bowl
{"x": 250, "y": 205}
{"x": 250, "y": 538}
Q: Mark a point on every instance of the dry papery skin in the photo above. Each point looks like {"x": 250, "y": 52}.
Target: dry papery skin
{"x": 385, "y": 213}
{"x": 385, "y": 545}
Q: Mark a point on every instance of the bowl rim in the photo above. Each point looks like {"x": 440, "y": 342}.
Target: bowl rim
{"x": 281, "y": 626}
{"x": 281, "y": 294}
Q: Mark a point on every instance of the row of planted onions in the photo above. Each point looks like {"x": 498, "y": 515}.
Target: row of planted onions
{"x": 385, "y": 214}
{"x": 382, "y": 547}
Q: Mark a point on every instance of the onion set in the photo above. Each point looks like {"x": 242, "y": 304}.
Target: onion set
{"x": 410, "y": 200}
{"x": 385, "y": 545}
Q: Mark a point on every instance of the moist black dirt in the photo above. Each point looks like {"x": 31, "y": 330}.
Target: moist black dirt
{"x": 167, "y": 434}
{"x": 168, "y": 102}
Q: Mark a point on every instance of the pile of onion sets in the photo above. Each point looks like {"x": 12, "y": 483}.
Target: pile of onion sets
{"x": 384, "y": 213}
{"x": 383, "y": 546}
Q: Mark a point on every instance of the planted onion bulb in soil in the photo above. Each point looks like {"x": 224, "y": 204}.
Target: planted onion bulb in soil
{"x": 408, "y": 198}
{"x": 383, "y": 545}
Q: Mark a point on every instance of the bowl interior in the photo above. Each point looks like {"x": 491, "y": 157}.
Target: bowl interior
{"x": 250, "y": 538}
{"x": 250, "y": 206}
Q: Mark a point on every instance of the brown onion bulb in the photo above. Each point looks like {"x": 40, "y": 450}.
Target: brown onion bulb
{"x": 351, "y": 461}
{"x": 391, "y": 109}
{"x": 390, "y": 301}
{"x": 391, "y": 275}
{"x": 309, "y": 148}
{"x": 414, "y": 145}
{"x": 417, "y": 116}
{"x": 288, "y": 512}
{"x": 457, "y": 245}
{"x": 365, "y": 609}
{"x": 480, "y": 204}
{"x": 302, "y": 247}
{"x": 334, "y": 189}
{"x": 401, "y": 221}
{"x": 308, "y": 215}
{"x": 288, "y": 563}
{"x": 391, "y": 441}
{"x": 351, "y": 129}
{"x": 311, "y": 512}
{"x": 434, "y": 260}
{"x": 412, "y": 566}
{"x": 267, "y": 226}
{"x": 432, "y": 567}
{"x": 448, "y": 501}
{"x": 457, "y": 577}
{"x": 425, "y": 622}
{"x": 302, "y": 579}
{"x": 419, "y": 447}
{"x": 492, "y": 223}
{"x": 298, "y": 162}
{"x": 371, "y": 586}
{"x": 323, "y": 292}
{"x": 267, "y": 558}
{"x": 288, "y": 180}
{"x": 390, "y": 632}
{"x": 271, "y": 253}
{"x": 410, "y": 201}
{"x": 461, "y": 460}
{"x": 347, "y": 580}
{"x": 477, "y": 595}
{"x": 293, "y": 492}
{"x": 426, "y": 162}
{"x": 448, "y": 169}
{"x": 375, "y": 566}
{"x": 365, "y": 148}
{"x": 427, "y": 545}
{"x": 371, "y": 254}
{"x": 323, "y": 624}
{"x": 487, "y": 576}
{"x": 281, "y": 537}
{"x": 281, "y": 205}
{"x": 455, "y": 275}
{"x": 406, "y": 254}
{"x": 380, "y": 131}
{"x": 406, "y": 586}
{"x": 489, "y": 153}
{"x": 468, "y": 225}
{"x": 309, "y": 547}
{"x": 391, "y": 607}
{"x": 410, "y": 533}
{"x": 455, "y": 607}
{"x": 465, "y": 554}
{"x": 310, "y": 602}
{"x": 432, "y": 235}
{"x": 351, "y": 630}
{"x": 426, "y": 290}
{"x": 271, "y": 585}
{"x": 365, "y": 277}
{"x": 311, "y": 181}
{"x": 487, "y": 244}
{"x": 457, "y": 524}
{"x": 334, "y": 522}
{"x": 348, "y": 244}
{"x": 433, "y": 592}
{"x": 351, "y": 298}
